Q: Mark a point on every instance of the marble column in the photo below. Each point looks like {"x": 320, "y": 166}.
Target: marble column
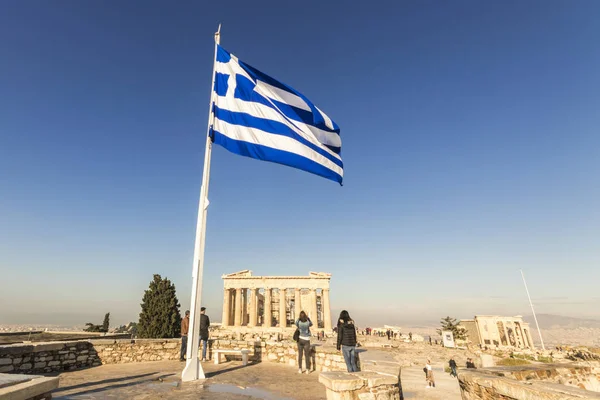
{"x": 268, "y": 317}
{"x": 282, "y": 309}
{"x": 506, "y": 333}
{"x": 529, "y": 338}
{"x": 226, "y": 307}
{"x": 232, "y": 306}
{"x": 326, "y": 310}
{"x": 523, "y": 338}
{"x": 253, "y": 308}
{"x": 238, "y": 307}
{"x": 297, "y": 303}
{"x": 314, "y": 317}
{"x": 245, "y": 307}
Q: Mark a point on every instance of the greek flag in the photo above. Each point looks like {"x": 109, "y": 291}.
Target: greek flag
{"x": 259, "y": 117}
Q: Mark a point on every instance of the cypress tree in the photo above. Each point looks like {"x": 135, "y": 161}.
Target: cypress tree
{"x": 160, "y": 316}
{"x": 106, "y": 322}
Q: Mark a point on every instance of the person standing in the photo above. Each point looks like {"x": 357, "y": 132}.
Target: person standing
{"x": 430, "y": 379}
{"x": 346, "y": 340}
{"x": 452, "y": 365}
{"x": 303, "y": 324}
{"x": 185, "y": 327}
{"x": 204, "y": 325}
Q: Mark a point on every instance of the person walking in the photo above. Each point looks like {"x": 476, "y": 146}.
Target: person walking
{"x": 185, "y": 327}
{"x": 430, "y": 379}
{"x": 452, "y": 365}
{"x": 204, "y": 325}
{"x": 303, "y": 324}
{"x": 346, "y": 340}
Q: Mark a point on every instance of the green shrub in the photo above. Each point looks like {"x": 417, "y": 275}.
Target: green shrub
{"x": 547, "y": 360}
{"x": 509, "y": 362}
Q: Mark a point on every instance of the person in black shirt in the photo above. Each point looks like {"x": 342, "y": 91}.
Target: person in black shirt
{"x": 452, "y": 365}
{"x": 346, "y": 340}
{"x": 204, "y": 324}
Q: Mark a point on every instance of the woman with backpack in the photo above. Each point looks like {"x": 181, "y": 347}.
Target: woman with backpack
{"x": 303, "y": 333}
{"x": 346, "y": 340}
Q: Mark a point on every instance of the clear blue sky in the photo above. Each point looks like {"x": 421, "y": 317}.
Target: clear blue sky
{"x": 470, "y": 140}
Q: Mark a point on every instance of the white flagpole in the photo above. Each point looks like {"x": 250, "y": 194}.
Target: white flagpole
{"x": 533, "y": 311}
{"x": 193, "y": 369}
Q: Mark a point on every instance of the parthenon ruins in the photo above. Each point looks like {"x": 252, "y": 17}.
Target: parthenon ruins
{"x": 275, "y": 301}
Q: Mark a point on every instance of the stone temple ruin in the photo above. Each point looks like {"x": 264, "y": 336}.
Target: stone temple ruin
{"x": 275, "y": 301}
{"x": 493, "y": 330}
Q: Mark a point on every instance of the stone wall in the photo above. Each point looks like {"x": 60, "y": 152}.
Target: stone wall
{"x": 547, "y": 381}
{"x": 64, "y": 356}
{"x": 324, "y": 358}
{"x": 576, "y": 375}
{"x": 138, "y": 350}
{"x": 47, "y": 357}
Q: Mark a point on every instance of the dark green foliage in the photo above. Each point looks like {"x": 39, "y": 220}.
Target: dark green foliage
{"x": 93, "y": 328}
{"x": 450, "y": 324}
{"x": 98, "y": 328}
{"x": 106, "y": 322}
{"x": 160, "y": 316}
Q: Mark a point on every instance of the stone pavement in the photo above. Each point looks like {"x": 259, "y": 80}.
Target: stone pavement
{"x": 232, "y": 381}
{"x": 413, "y": 377}
{"x": 161, "y": 380}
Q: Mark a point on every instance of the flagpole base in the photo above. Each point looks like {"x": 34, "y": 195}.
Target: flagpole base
{"x": 193, "y": 370}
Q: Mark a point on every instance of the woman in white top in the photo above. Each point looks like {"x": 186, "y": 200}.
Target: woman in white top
{"x": 430, "y": 380}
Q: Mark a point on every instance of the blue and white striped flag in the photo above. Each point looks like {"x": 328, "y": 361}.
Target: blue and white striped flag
{"x": 259, "y": 117}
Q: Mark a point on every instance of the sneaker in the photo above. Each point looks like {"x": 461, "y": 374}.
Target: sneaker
{"x": 300, "y": 371}
{"x": 204, "y": 360}
{"x": 307, "y": 371}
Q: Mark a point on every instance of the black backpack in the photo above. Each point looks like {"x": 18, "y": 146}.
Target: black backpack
{"x": 297, "y": 335}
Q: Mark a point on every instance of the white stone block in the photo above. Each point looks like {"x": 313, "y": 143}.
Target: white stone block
{"x": 366, "y": 396}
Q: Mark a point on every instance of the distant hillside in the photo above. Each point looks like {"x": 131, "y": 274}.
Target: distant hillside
{"x": 549, "y": 321}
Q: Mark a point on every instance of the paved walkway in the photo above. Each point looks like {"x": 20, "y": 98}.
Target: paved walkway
{"x": 161, "y": 380}
{"x": 232, "y": 381}
{"x": 413, "y": 378}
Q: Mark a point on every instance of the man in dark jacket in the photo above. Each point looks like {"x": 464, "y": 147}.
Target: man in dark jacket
{"x": 452, "y": 365}
{"x": 204, "y": 324}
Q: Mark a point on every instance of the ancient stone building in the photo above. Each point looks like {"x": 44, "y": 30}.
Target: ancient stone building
{"x": 493, "y": 330}
{"x": 275, "y": 301}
